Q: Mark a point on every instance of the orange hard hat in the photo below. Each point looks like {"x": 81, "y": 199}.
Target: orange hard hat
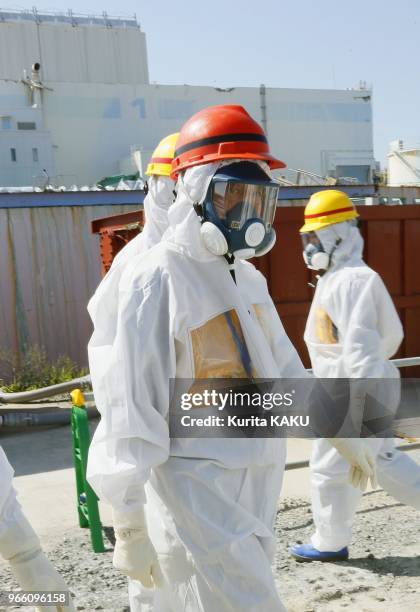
{"x": 221, "y": 132}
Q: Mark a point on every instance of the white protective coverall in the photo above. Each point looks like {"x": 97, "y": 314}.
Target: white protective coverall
{"x": 103, "y": 306}
{"x": 352, "y": 331}
{"x": 156, "y": 205}
{"x": 7, "y": 494}
{"x": 20, "y": 546}
{"x": 211, "y": 502}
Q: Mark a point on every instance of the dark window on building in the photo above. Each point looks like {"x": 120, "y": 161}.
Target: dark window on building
{"x": 13, "y": 154}
{"x": 35, "y": 154}
{"x": 361, "y": 173}
{"x": 26, "y": 125}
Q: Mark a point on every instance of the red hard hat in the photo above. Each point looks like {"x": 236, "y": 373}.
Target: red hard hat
{"x": 221, "y": 132}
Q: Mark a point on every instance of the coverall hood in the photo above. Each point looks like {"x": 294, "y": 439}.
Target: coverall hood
{"x": 156, "y": 205}
{"x": 350, "y": 248}
{"x": 103, "y": 304}
{"x": 184, "y": 224}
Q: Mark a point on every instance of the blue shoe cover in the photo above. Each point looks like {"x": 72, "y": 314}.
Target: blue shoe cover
{"x": 306, "y": 552}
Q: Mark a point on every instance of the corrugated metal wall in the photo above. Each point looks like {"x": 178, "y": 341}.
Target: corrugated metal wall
{"x": 49, "y": 268}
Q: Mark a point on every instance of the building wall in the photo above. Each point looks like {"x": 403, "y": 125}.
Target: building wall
{"x": 24, "y": 157}
{"x": 72, "y": 53}
{"x": 321, "y": 128}
{"x": 22, "y": 130}
{"x": 95, "y": 126}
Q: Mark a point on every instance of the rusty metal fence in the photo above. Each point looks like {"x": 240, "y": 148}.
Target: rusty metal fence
{"x": 50, "y": 266}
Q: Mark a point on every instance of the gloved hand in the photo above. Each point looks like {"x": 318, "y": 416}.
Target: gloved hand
{"x": 134, "y": 553}
{"x": 20, "y": 545}
{"x": 362, "y": 462}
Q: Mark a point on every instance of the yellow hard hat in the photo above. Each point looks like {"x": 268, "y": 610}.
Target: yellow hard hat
{"x": 327, "y": 207}
{"x": 161, "y": 160}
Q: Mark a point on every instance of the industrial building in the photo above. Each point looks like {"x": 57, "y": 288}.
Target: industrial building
{"x": 76, "y": 103}
{"x": 403, "y": 165}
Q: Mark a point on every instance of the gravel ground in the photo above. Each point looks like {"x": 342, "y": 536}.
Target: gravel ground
{"x": 382, "y": 574}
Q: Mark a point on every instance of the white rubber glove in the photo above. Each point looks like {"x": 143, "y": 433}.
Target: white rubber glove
{"x": 134, "y": 553}
{"x": 20, "y": 546}
{"x": 362, "y": 462}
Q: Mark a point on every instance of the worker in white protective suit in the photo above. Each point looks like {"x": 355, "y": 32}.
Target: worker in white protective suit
{"x": 20, "y": 546}
{"x": 352, "y": 331}
{"x": 192, "y": 308}
{"x": 160, "y": 195}
{"x": 103, "y": 305}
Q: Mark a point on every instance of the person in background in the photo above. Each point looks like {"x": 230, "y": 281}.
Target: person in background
{"x": 160, "y": 195}
{"x": 103, "y": 305}
{"x": 20, "y": 546}
{"x": 352, "y": 332}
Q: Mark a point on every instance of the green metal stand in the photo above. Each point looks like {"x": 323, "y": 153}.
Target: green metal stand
{"x": 87, "y": 501}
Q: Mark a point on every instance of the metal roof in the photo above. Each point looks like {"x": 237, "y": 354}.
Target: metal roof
{"x": 100, "y": 198}
{"x": 69, "y": 17}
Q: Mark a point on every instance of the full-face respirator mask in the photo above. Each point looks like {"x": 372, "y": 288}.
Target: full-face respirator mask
{"x": 319, "y": 246}
{"x": 237, "y": 213}
{"x": 314, "y": 253}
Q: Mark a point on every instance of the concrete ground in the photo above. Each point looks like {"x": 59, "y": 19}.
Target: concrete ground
{"x": 47, "y": 466}
{"x": 386, "y": 553}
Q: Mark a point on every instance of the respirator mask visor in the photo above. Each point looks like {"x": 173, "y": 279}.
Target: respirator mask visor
{"x": 239, "y": 210}
{"x": 314, "y": 253}
{"x": 236, "y": 202}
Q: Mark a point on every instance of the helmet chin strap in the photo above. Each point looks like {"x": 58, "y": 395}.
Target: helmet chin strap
{"x": 230, "y": 258}
{"x": 199, "y": 211}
